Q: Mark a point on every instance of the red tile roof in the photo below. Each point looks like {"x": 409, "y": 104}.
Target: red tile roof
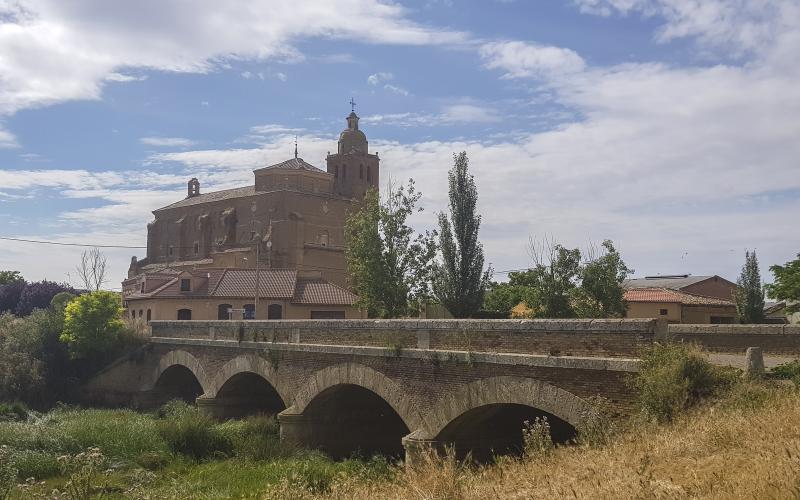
{"x": 240, "y": 283}
{"x": 319, "y": 292}
{"x": 672, "y": 296}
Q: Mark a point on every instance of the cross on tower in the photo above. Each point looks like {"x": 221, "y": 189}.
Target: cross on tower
{"x": 352, "y": 105}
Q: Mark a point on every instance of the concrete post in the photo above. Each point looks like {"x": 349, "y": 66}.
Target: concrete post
{"x": 754, "y": 362}
{"x": 417, "y": 449}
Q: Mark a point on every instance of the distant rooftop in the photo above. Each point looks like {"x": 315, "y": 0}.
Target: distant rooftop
{"x": 668, "y": 295}
{"x": 673, "y": 281}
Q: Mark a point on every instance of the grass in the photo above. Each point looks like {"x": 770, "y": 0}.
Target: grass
{"x": 745, "y": 444}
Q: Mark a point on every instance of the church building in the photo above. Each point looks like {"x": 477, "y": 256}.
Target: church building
{"x": 290, "y": 220}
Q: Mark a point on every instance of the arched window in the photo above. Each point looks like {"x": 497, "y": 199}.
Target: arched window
{"x": 275, "y": 311}
{"x": 141, "y": 313}
{"x": 184, "y": 314}
{"x": 361, "y": 171}
{"x": 224, "y": 311}
{"x": 149, "y": 315}
{"x": 249, "y": 311}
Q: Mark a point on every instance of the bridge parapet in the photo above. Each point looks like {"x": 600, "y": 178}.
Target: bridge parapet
{"x": 577, "y": 337}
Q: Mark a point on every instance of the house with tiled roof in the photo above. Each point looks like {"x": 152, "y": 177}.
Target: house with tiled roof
{"x": 221, "y": 294}
{"x": 682, "y": 299}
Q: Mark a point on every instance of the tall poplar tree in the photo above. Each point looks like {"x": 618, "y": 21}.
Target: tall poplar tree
{"x": 459, "y": 281}
{"x": 749, "y": 295}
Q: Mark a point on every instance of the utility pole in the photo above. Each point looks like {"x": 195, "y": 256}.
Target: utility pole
{"x": 258, "y": 280}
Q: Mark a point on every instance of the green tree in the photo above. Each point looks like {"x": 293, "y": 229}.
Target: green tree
{"x": 601, "y": 294}
{"x": 92, "y": 324}
{"x": 388, "y": 263}
{"x": 553, "y": 279}
{"x": 7, "y": 277}
{"x": 786, "y": 285}
{"x": 460, "y": 281}
{"x": 502, "y": 297}
{"x": 749, "y": 295}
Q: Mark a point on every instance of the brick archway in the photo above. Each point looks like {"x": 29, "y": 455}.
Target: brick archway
{"x": 361, "y": 376}
{"x": 184, "y": 359}
{"x": 247, "y": 363}
{"x": 504, "y": 390}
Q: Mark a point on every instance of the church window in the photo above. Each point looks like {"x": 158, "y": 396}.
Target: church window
{"x": 361, "y": 171}
{"x": 170, "y": 251}
{"x": 149, "y": 315}
{"x": 186, "y": 285}
{"x": 141, "y": 290}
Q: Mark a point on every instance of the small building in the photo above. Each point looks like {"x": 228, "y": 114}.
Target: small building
{"x": 679, "y": 307}
{"x": 779, "y": 313}
{"x": 707, "y": 286}
{"x": 221, "y": 294}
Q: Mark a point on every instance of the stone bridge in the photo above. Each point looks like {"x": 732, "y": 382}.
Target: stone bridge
{"x": 382, "y": 386}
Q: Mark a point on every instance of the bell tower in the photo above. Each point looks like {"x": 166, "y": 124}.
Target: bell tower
{"x": 354, "y": 170}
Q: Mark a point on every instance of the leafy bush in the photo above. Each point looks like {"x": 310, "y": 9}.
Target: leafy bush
{"x": 92, "y": 323}
{"x": 256, "y": 438}
{"x": 39, "y": 295}
{"x": 786, "y": 371}
{"x": 672, "y": 377}
{"x": 597, "y": 427}
{"x": 193, "y": 434}
{"x": 14, "y": 412}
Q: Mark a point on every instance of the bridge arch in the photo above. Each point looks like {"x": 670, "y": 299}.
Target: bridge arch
{"x": 179, "y": 375}
{"x": 487, "y": 416}
{"x": 245, "y": 385}
{"x": 351, "y": 408}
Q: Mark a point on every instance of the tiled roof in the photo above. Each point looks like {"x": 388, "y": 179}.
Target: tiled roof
{"x": 675, "y": 283}
{"x": 672, "y": 296}
{"x": 319, "y": 291}
{"x": 292, "y": 164}
{"x": 225, "y": 194}
{"x": 240, "y": 283}
{"x": 273, "y": 283}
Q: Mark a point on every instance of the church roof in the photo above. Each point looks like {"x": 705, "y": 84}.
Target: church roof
{"x": 292, "y": 164}
{"x": 225, "y": 194}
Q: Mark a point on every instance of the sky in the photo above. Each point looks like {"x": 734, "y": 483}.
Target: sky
{"x": 668, "y": 126}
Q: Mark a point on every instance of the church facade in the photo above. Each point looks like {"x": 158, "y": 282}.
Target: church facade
{"x": 292, "y": 217}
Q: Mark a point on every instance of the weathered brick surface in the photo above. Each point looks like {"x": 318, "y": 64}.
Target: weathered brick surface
{"x": 772, "y": 339}
{"x": 608, "y": 338}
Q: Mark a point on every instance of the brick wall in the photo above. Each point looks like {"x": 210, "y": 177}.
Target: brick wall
{"x": 773, "y": 339}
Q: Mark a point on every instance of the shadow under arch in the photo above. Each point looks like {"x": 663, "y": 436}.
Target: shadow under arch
{"x": 179, "y": 375}
{"x": 486, "y": 417}
{"x": 351, "y": 409}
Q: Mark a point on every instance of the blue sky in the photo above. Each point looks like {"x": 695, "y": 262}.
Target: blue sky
{"x": 669, "y": 126}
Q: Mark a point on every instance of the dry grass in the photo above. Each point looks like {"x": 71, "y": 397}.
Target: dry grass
{"x": 746, "y": 446}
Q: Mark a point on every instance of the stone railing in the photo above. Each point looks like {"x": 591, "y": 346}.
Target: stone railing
{"x": 604, "y": 337}
{"x": 772, "y": 339}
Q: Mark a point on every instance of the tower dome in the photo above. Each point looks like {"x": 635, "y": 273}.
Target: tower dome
{"x": 351, "y": 138}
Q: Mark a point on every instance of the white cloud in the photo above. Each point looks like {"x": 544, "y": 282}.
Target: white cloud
{"x": 120, "y": 77}
{"x": 7, "y": 139}
{"x": 396, "y": 90}
{"x": 167, "y": 142}
{"x": 735, "y": 27}
{"x": 458, "y": 113}
{"x": 522, "y": 60}
{"x": 376, "y": 78}
{"x": 281, "y": 76}
{"x": 53, "y": 51}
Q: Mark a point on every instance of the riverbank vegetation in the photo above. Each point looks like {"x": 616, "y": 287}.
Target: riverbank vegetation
{"x": 700, "y": 432}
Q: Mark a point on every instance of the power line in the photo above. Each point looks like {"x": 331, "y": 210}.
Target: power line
{"x": 64, "y": 244}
